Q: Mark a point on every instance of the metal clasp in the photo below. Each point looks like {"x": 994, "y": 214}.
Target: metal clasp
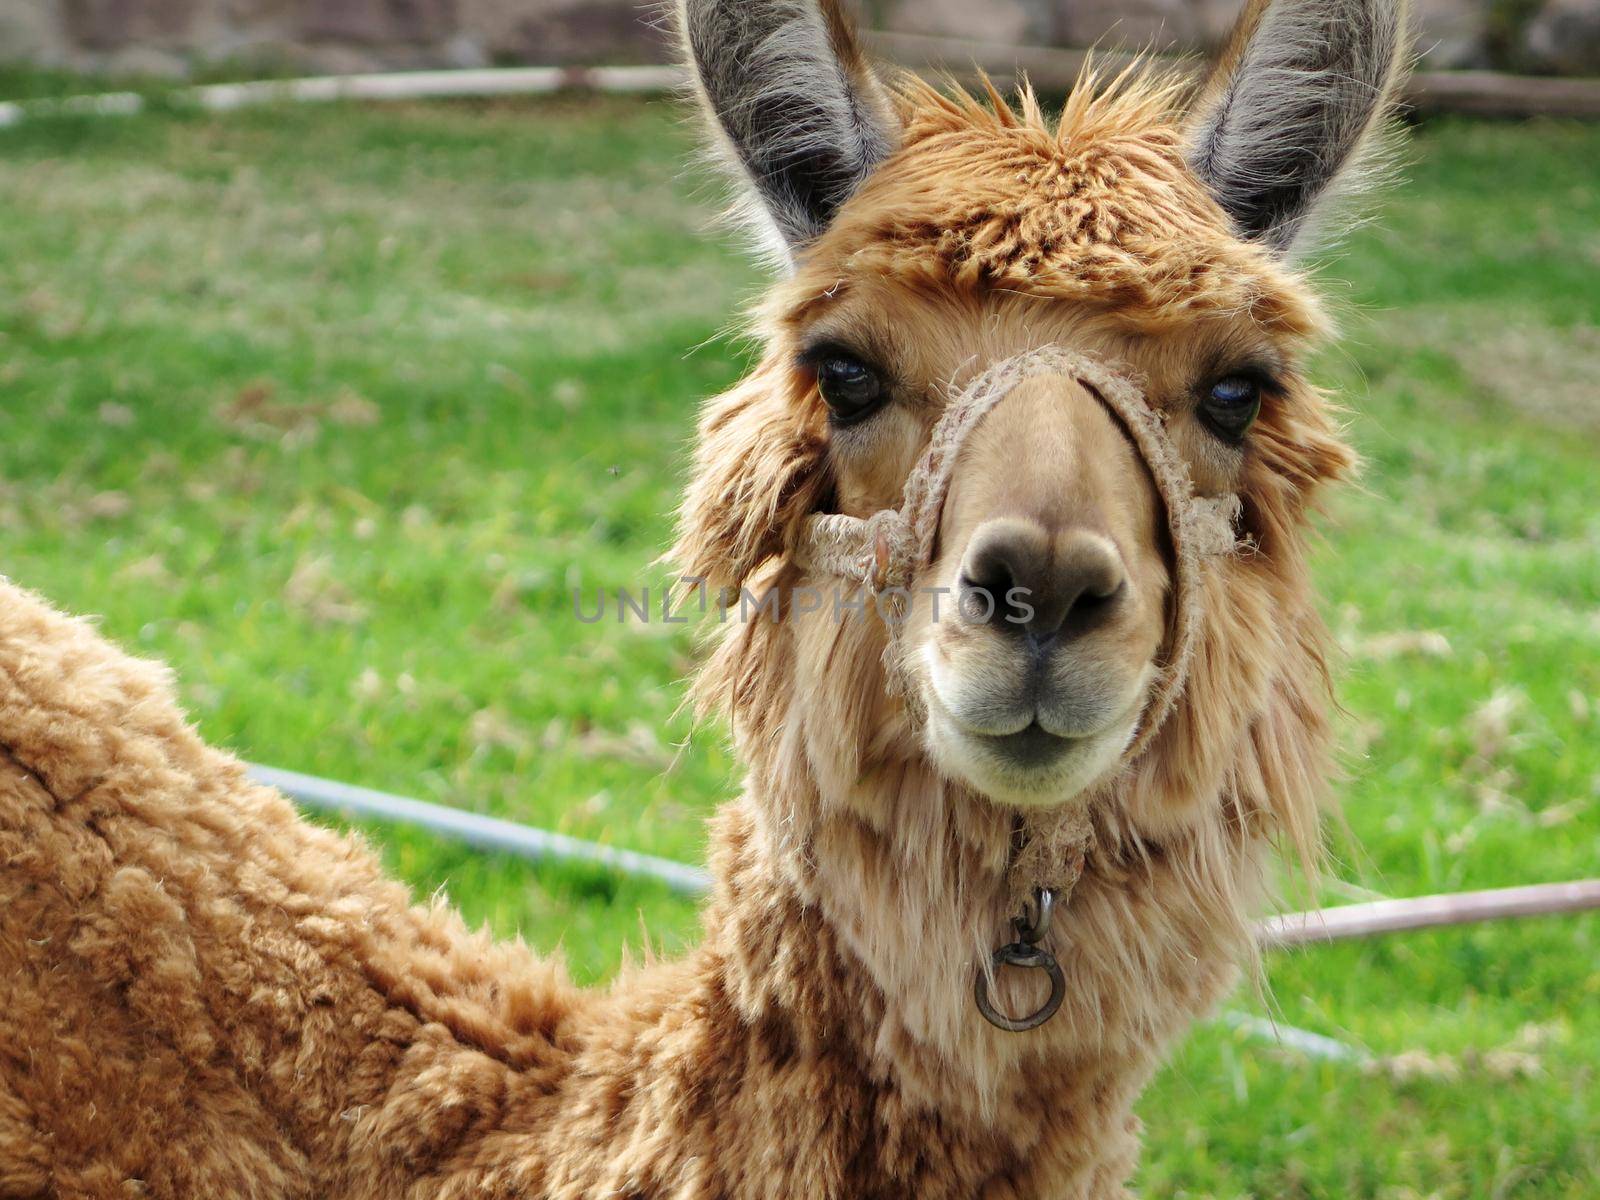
{"x": 1032, "y": 927}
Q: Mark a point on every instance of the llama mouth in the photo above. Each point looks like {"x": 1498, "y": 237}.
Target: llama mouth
{"x": 1032, "y": 747}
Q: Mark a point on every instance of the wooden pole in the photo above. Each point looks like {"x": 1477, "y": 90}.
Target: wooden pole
{"x": 1483, "y": 93}
{"x": 1426, "y": 912}
{"x": 1490, "y": 94}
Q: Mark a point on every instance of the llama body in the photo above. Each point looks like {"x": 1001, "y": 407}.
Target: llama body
{"x": 205, "y": 996}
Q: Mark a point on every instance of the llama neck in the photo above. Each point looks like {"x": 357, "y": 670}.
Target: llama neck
{"x": 882, "y": 903}
{"x": 908, "y": 875}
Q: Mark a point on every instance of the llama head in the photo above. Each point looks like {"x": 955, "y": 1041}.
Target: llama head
{"x": 926, "y": 237}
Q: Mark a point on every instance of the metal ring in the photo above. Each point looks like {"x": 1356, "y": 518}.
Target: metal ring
{"x": 1020, "y": 954}
{"x": 1034, "y": 928}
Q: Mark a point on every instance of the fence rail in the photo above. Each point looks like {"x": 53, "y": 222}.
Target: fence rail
{"x": 1427, "y": 912}
{"x": 1484, "y": 93}
{"x": 488, "y": 833}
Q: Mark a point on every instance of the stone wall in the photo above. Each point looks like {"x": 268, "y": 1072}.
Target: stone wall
{"x": 172, "y": 37}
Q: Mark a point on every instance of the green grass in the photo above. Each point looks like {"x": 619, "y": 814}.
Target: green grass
{"x": 331, "y": 407}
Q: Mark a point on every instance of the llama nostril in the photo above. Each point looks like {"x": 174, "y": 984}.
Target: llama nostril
{"x": 1016, "y": 577}
{"x": 1090, "y": 608}
{"x": 1089, "y": 586}
{"x": 992, "y": 577}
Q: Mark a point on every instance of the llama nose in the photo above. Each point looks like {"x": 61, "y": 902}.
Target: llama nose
{"x": 1016, "y": 576}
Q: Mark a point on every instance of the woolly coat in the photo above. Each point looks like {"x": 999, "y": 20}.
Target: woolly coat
{"x": 204, "y": 996}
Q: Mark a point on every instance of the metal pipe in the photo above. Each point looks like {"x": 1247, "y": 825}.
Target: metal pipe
{"x": 490, "y": 833}
{"x": 1312, "y": 1045}
{"x": 1427, "y": 912}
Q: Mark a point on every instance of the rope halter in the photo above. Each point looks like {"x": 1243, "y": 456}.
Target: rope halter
{"x": 886, "y": 551}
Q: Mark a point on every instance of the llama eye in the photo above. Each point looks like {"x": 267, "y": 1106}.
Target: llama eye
{"x": 851, "y": 389}
{"x": 1230, "y": 406}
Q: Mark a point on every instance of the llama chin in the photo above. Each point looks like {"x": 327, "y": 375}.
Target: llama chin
{"x": 1031, "y": 768}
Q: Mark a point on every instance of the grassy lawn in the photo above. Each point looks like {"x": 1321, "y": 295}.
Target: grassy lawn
{"x": 332, "y": 408}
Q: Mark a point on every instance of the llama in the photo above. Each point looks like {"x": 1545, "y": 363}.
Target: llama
{"x": 988, "y": 863}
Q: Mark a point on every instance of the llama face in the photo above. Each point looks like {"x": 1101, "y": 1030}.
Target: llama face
{"x": 1035, "y": 632}
{"x": 928, "y": 236}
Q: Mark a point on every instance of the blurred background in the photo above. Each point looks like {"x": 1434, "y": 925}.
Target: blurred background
{"x": 171, "y": 36}
{"x": 332, "y": 406}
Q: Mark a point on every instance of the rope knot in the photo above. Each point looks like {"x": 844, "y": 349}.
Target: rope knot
{"x": 1213, "y": 524}
{"x": 888, "y": 537}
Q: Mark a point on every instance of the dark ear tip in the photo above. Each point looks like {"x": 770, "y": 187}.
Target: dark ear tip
{"x": 797, "y": 107}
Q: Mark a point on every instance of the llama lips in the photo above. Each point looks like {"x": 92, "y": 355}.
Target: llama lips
{"x": 1034, "y": 746}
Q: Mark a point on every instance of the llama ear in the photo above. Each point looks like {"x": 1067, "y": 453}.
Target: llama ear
{"x": 1294, "y": 108}
{"x": 793, "y": 102}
